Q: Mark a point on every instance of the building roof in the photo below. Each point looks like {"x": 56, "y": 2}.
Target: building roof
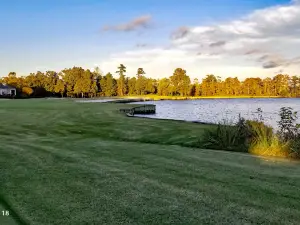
{"x": 5, "y": 86}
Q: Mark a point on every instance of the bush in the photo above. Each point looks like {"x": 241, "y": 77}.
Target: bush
{"x": 264, "y": 142}
{"x": 260, "y": 139}
{"x": 255, "y": 137}
{"x": 27, "y": 91}
{"x": 288, "y": 129}
{"x": 224, "y": 137}
{"x": 258, "y": 131}
{"x": 295, "y": 148}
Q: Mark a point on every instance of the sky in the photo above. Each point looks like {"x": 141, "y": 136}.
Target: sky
{"x": 222, "y": 37}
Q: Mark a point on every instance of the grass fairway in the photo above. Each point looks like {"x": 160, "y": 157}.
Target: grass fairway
{"x": 68, "y": 163}
{"x": 5, "y": 218}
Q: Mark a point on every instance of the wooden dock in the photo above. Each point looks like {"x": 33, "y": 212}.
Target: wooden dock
{"x": 144, "y": 109}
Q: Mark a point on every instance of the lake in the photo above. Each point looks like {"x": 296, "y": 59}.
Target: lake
{"x": 98, "y": 100}
{"x": 216, "y": 110}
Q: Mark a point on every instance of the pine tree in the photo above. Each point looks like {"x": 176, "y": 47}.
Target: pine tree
{"x": 121, "y": 81}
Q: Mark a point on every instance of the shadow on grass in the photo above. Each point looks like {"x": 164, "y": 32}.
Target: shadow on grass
{"x": 13, "y": 216}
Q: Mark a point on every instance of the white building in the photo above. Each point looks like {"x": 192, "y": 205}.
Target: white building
{"x": 6, "y": 90}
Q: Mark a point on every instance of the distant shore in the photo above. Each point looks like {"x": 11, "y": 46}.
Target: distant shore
{"x": 142, "y": 98}
{"x": 157, "y": 98}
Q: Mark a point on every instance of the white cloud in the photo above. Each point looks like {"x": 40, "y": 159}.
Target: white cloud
{"x": 156, "y": 62}
{"x": 261, "y": 43}
{"x": 262, "y": 29}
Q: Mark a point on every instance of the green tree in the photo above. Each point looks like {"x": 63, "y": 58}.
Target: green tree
{"x": 246, "y": 85}
{"x": 252, "y": 86}
{"x": 231, "y": 86}
{"x": 79, "y": 88}
{"x": 141, "y": 85}
{"x": 281, "y": 85}
{"x": 41, "y": 79}
{"x": 60, "y": 87}
{"x": 79, "y": 82}
{"x": 163, "y": 87}
{"x": 97, "y": 78}
{"x": 140, "y": 72}
{"x": 71, "y": 77}
{"x": 209, "y": 85}
{"x": 186, "y": 86}
{"x": 150, "y": 86}
{"x": 197, "y": 86}
{"x": 51, "y": 78}
{"x": 267, "y": 87}
{"x": 121, "y": 81}
{"x": 12, "y": 80}
{"x": 180, "y": 82}
{"x": 108, "y": 85}
{"x": 294, "y": 85}
{"x": 132, "y": 86}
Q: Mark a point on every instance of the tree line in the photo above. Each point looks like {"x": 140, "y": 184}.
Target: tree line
{"x": 84, "y": 83}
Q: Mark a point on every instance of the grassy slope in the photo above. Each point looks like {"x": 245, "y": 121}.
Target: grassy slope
{"x": 7, "y": 220}
{"x": 84, "y": 163}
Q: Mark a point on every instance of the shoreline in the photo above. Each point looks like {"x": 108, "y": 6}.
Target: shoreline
{"x": 182, "y": 121}
{"x": 161, "y": 98}
{"x": 154, "y": 98}
{"x": 161, "y": 119}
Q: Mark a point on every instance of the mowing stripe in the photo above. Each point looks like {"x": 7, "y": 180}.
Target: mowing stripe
{"x": 13, "y": 215}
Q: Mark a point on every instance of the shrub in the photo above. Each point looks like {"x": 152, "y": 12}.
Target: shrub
{"x": 295, "y": 148}
{"x": 254, "y": 130}
{"x": 261, "y": 139}
{"x": 258, "y": 131}
{"x": 255, "y": 137}
{"x": 288, "y": 129}
{"x": 264, "y": 142}
{"x": 224, "y": 137}
{"x": 27, "y": 91}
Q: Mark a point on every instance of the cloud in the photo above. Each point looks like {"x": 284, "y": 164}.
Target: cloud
{"x": 281, "y": 71}
{"x": 262, "y": 42}
{"x": 253, "y": 52}
{"x": 270, "y": 64}
{"x": 217, "y": 44}
{"x": 180, "y": 32}
{"x": 273, "y": 30}
{"x": 157, "y": 62}
{"x": 141, "y": 22}
{"x": 141, "y": 45}
{"x": 273, "y": 61}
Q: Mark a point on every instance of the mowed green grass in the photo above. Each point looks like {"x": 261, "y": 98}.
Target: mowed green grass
{"x": 7, "y": 219}
{"x": 63, "y": 162}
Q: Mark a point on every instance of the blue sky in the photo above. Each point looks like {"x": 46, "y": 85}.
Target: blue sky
{"x": 54, "y": 34}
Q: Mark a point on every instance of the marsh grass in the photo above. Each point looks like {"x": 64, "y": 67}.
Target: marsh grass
{"x": 225, "y": 136}
{"x": 257, "y": 138}
{"x": 264, "y": 142}
{"x": 272, "y": 147}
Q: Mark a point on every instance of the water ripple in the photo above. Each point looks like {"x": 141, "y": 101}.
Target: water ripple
{"x": 217, "y": 110}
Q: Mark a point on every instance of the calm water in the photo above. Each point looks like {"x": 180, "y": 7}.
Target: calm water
{"x": 98, "y": 100}
{"x": 216, "y": 110}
